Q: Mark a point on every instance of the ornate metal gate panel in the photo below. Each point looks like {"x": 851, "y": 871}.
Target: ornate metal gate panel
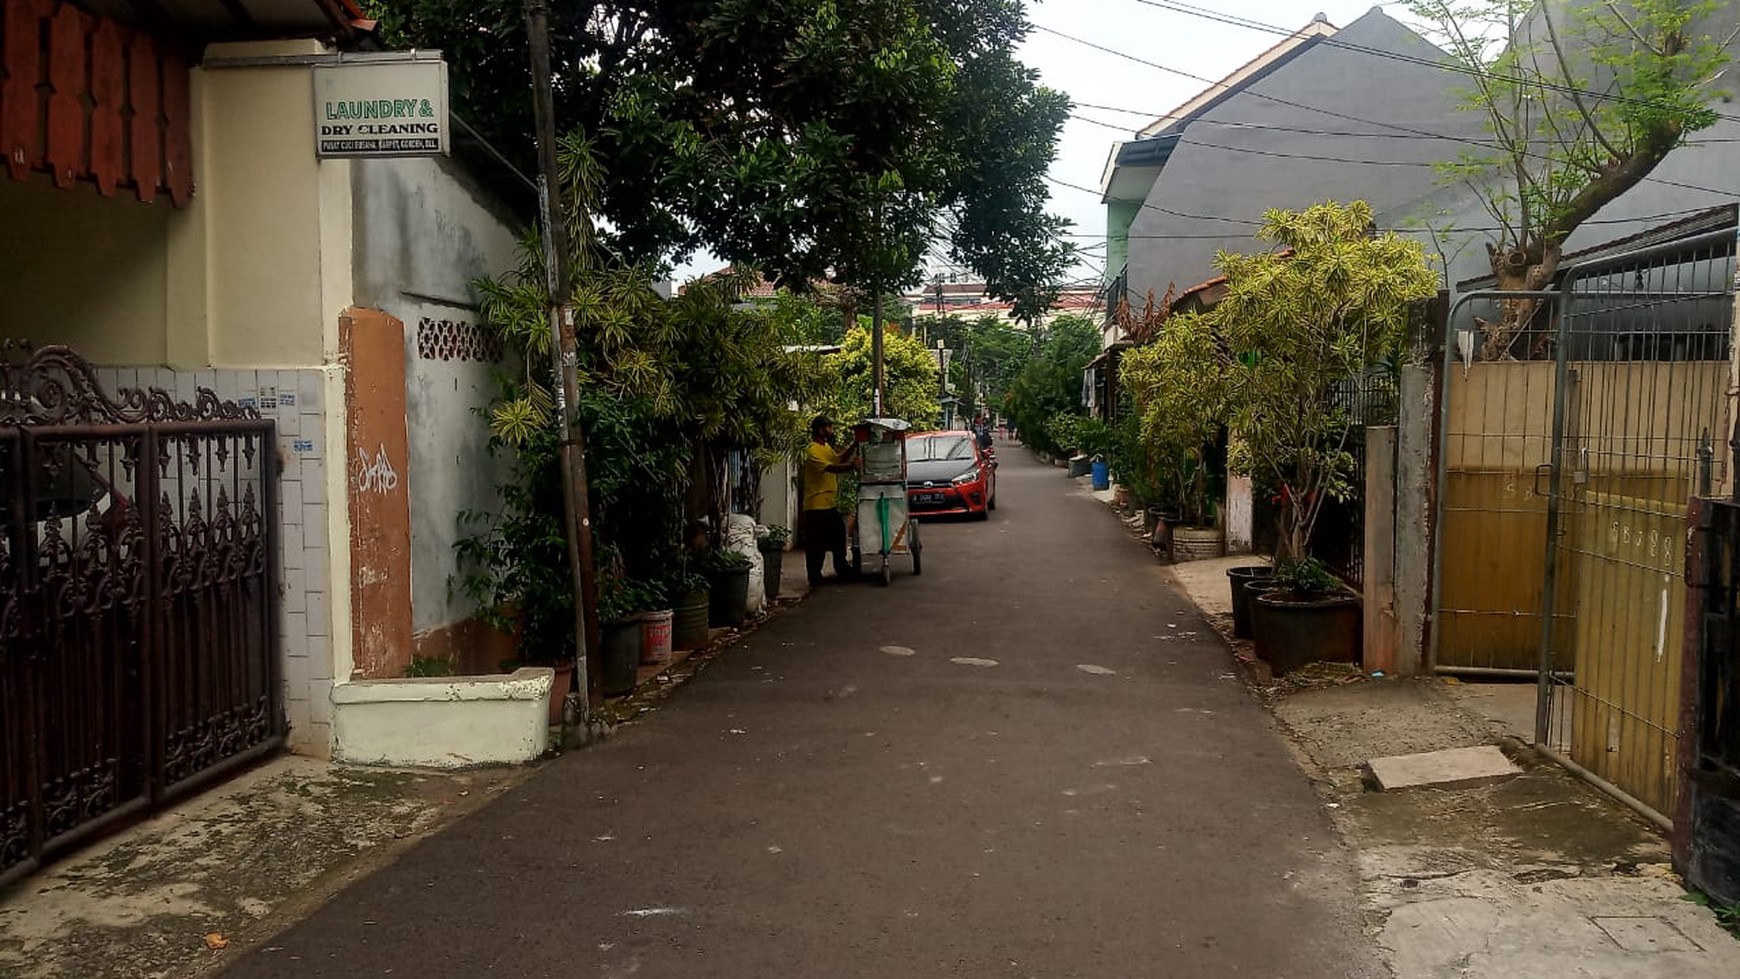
{"x": 138, "y": 654}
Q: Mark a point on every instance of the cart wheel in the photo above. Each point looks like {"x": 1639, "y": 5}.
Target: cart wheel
{"x": 887, "y": 573}
{"x": 917, "y": 563}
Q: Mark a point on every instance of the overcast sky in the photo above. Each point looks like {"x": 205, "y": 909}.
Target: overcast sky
{"x": 1192, "y": 44}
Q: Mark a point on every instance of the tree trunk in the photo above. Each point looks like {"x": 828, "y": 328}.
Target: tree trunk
{"x": 1517, "y": 270}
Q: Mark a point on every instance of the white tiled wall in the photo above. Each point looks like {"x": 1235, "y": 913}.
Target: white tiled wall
{"x": 292, "y": 398}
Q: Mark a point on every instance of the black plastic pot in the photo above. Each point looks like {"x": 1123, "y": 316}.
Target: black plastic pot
{"x": 730, "y": 599}
{"x": 689, "y": 621}
{"x": 1241, "y": 599}
{"x": 1291, "y": 632}
{"x": 772, "y": 563}
{"x": 1254, "y": 589}
{"x": 621, "y": 656}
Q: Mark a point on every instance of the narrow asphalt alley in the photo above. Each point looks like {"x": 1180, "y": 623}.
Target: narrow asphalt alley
{"x": 1035, "y": 760}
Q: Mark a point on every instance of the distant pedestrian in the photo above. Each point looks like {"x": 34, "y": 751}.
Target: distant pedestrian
{"x": 822, "y": 525}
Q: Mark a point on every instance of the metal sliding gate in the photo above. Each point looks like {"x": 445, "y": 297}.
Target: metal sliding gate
{"x": 137, "y": 600}
{"x": 1565, "y": 470}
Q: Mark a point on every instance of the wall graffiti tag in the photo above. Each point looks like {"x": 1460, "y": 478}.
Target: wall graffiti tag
{"x": 375, "y": 475}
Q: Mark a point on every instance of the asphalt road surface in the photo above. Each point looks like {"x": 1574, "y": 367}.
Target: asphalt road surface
{"x": 1034, "y": 760}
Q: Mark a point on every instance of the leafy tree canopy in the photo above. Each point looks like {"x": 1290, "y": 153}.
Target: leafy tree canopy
{"x": 910, "y": 378}
{"x": 1320, "y": 311}
{"x": 810, "y": 138}
{"x": 1582, "y": 99}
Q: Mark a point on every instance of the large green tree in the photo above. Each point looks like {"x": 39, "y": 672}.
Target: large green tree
{"x": 809, "y": 138}
{"x": 1582, "y": 99}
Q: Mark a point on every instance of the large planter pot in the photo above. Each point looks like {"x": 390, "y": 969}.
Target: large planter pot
{"x": 772, "y": 563}
{"x": 622, "y": 645}
{"x": 730, "y": 599}
{"x": 1197, "y": 543}
{"x": 689, "y": 621}
{"x": 1241, "y": 599}
{"x": 1080, "y": 466}
{"x": 1256, "y": 588}
{"x": 1292, "y": 632}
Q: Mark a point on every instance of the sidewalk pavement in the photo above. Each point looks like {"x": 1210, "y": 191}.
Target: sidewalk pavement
{"x": 1537, "y": 876}
{"x": 228, "y": 867}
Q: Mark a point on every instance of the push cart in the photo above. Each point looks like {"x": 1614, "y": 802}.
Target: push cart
{"x": 884, "y": 528}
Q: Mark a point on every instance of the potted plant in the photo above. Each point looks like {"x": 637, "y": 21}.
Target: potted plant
{"x": 772, "y": 542}
{"x": 1322, "y": 310}
{"x": 689, "y": 596}
{"x": 1179, "y": 381}
{"x": 1303, "y": 615}
{"x": 728, "y": 579}
{"x": 621, "y": 601}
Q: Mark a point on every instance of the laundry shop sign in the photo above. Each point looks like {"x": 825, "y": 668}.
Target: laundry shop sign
{"x": 382, "y": 108}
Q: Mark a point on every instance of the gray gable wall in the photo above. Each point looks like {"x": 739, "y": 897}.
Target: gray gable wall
{"x": 1703, "y": 174}
{"x": 1226, "y": 176}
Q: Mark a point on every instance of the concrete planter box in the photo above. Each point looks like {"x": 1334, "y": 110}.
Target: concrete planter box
{"x": 443, "y": 722}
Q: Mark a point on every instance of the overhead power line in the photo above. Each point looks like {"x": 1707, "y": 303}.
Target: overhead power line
{"x": 1341, "y": 115}
{"x": 1190, "y": 10}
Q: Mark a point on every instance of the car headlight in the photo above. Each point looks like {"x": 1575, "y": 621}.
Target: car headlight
{"x": 966, "y": 477}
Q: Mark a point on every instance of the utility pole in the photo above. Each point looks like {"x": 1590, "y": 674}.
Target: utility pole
{"x": 876, "y": 365}
{"x": 589, "y": 664}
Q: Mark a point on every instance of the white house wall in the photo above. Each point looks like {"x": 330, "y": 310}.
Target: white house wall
{"x": 423, "y": 233}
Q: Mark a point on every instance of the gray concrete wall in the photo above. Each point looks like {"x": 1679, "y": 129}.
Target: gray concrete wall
{"x": 1416, "y": 482}
{"x": 424, "y": 232}
{"x": 1227, "y": 171}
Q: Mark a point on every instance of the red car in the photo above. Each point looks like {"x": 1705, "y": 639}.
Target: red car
{"x": 947, "y": 473}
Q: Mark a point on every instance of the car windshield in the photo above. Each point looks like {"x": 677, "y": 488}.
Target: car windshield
{"x": 941, "y": 448}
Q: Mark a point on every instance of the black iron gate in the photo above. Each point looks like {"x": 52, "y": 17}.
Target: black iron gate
{"x": 137, "y": 600}
{"x": 1707, "y": 811}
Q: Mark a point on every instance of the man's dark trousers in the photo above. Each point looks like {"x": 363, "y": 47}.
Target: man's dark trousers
{"x": 824, "y": 533}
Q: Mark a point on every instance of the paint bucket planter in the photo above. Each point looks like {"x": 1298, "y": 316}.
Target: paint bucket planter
{"x": 1197, "y": 543}
{"x": 655, "y": 638}
{"x": 689, "y": 621}
{"x": 1241, "y": 598}
{"x": 622, "y": 645}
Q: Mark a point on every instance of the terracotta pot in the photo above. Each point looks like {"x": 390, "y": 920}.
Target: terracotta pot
{"x": 559, "y": 691}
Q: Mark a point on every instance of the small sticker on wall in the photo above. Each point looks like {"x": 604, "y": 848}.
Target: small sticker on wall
{"x": 247, "y": 402}
{"x": 302, "y": 445}
{"x": 287, "y": 398}
{"x": 269, "y": 398}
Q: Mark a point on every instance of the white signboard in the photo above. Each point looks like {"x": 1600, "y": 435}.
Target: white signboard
{"x": 381, "y": 108}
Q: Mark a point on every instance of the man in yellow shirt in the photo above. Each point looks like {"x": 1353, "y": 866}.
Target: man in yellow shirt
{"x": 821, "y": 524}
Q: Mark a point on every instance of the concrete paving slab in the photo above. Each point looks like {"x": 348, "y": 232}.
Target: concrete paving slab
{"x": 1451, "y": 768}
{"x": 1645, "y": 934}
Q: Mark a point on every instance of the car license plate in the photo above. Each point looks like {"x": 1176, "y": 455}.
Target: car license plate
{"x": 928, "y": 497}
